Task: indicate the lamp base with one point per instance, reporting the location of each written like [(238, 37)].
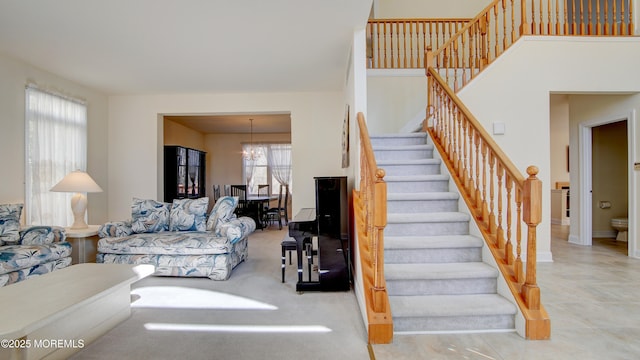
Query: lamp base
[(79, 209)]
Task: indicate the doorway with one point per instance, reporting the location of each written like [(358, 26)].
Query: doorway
[(605, 146)]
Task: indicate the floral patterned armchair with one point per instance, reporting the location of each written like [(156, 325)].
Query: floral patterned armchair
[(179, 238), (31, 251)]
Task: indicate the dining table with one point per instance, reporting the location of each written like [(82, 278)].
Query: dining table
[(258, 203)]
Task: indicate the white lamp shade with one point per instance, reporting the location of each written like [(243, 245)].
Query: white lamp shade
[(76, 181)]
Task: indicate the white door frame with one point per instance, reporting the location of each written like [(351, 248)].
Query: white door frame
[(585, 232)]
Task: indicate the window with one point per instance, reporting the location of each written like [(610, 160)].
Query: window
[(56, 144), (272, 166)]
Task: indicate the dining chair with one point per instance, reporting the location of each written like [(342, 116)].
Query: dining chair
[(227, 190), (264, 190), (216, 193), (277, 213), (241, 192)]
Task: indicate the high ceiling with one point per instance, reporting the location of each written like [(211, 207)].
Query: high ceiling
[(189, 46), (235, 123)]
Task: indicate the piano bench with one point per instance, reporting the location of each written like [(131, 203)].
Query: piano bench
[(287, 244)]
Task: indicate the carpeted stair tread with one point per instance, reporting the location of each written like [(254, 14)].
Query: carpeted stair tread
[(403, 147), (429, 271), (399, 135), (451, 305), (435, 217), (419, 196), (432, 242), (383, 163), (399, 178)]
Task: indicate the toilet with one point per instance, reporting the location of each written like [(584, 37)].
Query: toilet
[(620, 224)]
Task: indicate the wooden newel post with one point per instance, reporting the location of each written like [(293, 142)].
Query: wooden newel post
[(379, 223), (532, 216)]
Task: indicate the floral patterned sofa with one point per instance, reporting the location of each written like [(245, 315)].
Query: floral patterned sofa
[(32, 251), (178, 238)]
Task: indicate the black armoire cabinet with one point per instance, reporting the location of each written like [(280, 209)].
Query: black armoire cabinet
[(184, 173)]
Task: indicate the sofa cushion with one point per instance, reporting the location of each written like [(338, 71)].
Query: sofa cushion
[(37, 235), (189, 214), (169, 243), (149, 216), (10, 223), (16, 257), (222, 211)]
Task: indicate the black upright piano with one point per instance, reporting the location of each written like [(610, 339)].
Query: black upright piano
[(330, 224)]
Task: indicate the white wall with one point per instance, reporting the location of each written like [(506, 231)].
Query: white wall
[(395, 98), (136, 139), (515, 90), (428, 8), (15, 74)]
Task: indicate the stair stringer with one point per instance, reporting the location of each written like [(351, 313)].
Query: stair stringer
[(502, 289)]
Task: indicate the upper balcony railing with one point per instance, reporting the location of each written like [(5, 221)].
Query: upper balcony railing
[(401, 43)]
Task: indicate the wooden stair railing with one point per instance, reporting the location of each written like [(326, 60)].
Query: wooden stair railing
[(402, 43), (370, 209), (500, 199), (483, 39)]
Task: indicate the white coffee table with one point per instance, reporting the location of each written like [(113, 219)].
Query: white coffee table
[(72, 306)]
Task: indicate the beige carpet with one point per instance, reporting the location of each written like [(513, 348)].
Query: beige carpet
[(251, 316)]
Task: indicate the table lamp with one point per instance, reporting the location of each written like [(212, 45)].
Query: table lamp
[(78, 182)]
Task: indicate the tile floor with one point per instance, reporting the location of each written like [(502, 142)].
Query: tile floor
[(592, 295)]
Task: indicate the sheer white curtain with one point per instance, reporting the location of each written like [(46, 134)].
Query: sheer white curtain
[(279, 159), (56, 144)]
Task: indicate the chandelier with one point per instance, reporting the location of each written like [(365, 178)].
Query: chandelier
[(252, 153)]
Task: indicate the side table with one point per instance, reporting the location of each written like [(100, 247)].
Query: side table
[(84, 243)]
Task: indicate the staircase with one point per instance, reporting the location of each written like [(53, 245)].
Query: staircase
[(435, 276)]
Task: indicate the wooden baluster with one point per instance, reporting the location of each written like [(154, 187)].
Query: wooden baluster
[(425, 43), (372, 36), (558, 17), (590, 29), (534, 28), (566, 18), (445, 121), (549, 22), (482, 204), (504, 25), (456, 139), (445, 61), (415, 49), (582, 32), (497, 32), (394, 52), (456, 64), (614, 19), (605, 23), (508, 246), (477, 184), (492, 216), (470, 181), (463, 169), (464, 59), (380, 49), (630, 28), (532, 216), (513, 22), (518, 262), (404, 34), (574, 26), (500, 234)]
